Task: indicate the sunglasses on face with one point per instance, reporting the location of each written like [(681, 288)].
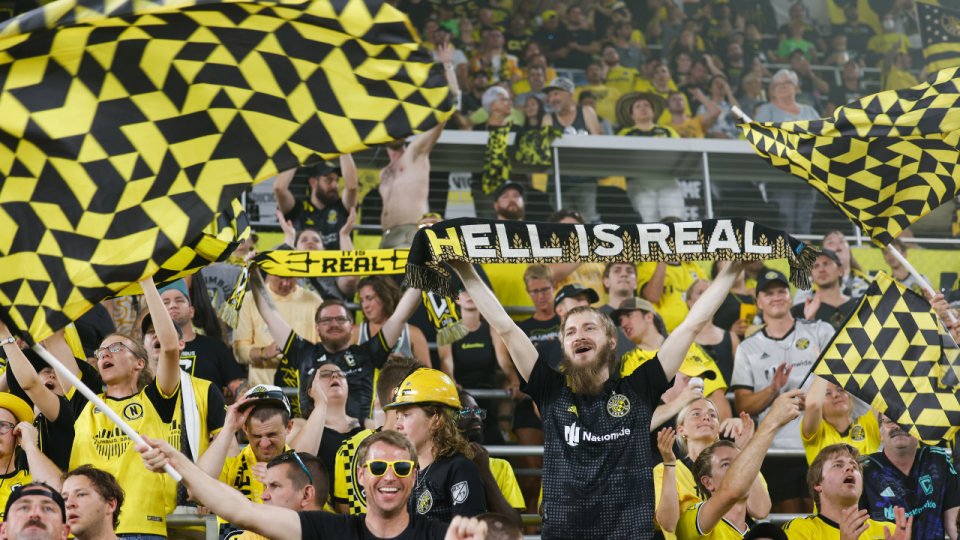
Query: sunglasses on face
[(479, 414), (378, 467)]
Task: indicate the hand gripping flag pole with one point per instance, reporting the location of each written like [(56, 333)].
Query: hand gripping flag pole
[(916, 275), (62, 371)]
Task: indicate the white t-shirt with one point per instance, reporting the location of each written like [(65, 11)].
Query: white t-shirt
[(759, 355)]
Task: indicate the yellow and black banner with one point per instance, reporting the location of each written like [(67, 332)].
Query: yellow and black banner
[(940, 33)]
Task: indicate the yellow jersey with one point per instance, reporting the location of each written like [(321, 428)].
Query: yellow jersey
[(99, 442), (863, 434), (590, 275), (507, 283), (696, 361), (238, 473), (689, 527), (623, 79), (607, 97), (817, 527), (507, 481), (672, 305), (345, 489), (13, 480)]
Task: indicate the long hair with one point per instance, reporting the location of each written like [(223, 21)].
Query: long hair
[(203, 315), (447, 439), (537, 120), (854, 264), (386, 290), (682, 416)]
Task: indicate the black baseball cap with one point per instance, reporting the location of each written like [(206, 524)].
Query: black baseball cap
[(509, 185), (322, 168), (770, 276), (37, 488), (830, 253), (148, 324), (576, 289)]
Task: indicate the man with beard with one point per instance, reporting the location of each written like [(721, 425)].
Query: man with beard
[(497, 473), (201, 356), (405, 181), (35, 512), (922, 480), (598, 467), (326, 210), (93, 501)]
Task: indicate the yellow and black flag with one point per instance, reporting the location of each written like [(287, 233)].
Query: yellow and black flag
[(894, 353), (127, 127), (885, 161), (940, 33)]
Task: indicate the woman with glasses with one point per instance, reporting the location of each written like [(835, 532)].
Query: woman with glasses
[(337, 426), (472, 362), (379, 296)]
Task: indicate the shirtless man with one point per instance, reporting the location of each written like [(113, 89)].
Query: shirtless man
[(405, 182)]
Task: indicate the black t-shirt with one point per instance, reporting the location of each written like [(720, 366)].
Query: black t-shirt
[(841, 95), (514, 44), (93, 326), (471, 103), (302, 358), (322, 525), (545, 337), (597, 463), (210, 359), (328, 221), (474, 360), (549, 39), (329, 445), (576, 59), (448, 487), (56, 436), (729, 311), (325, 287), (831, 315), (932, 488)]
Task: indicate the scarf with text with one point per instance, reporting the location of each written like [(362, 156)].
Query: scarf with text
[(491, 241)]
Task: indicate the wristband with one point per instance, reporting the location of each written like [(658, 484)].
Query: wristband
[(671, 465)]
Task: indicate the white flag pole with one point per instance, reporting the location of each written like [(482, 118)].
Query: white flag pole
[(62, 371), (916, 275), (736, 110)]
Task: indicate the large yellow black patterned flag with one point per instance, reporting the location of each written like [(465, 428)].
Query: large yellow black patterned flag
[(940, 32), (127, 127), (894, 353), (885, 161)]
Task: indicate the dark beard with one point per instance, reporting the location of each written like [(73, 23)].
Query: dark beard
[(512, 215), (588, 379), (325, 199)]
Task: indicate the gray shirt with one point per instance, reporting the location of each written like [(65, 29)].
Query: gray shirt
[(771, 113), (521, 100)]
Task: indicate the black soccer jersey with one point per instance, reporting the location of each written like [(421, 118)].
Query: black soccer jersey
[(545, 336), (302, 358), (210, 359), (450, 486), (327, 221), (597, 463)]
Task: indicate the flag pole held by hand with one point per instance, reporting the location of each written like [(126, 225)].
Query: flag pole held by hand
[(97, 402), (736, 110), (916, 275)]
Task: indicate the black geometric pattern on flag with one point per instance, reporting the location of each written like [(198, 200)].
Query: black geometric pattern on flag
[(885, 161), (894, 354), (940, 33), (126, 127)]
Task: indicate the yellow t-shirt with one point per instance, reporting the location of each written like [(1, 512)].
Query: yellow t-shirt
[(672, 305), (238, 473), (507, 283), (590, 275), (623, 79), (693, 364), (607, 97), (644, 85), (8, 482), (864, 434), (817, 527), (507, 481), (345, 491), (99, 442), (691, 128), (689, 527), (883, 43)]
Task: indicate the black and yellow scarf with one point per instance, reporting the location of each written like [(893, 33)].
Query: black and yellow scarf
[(506, 75), (533, 148), (490, 241)]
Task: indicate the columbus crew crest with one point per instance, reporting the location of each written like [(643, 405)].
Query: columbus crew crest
[(332, 217), (618, 405), (802, 344), (425, 502), (857, 433)]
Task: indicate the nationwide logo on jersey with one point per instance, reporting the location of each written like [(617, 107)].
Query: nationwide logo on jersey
[(425, 502), (133, 411), (460, 492), (857, 433), (348, 357), (802, 344), (618, 405), (571, 434), (926, 484)]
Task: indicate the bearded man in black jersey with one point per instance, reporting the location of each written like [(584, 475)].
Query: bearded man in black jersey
[(597, 462)]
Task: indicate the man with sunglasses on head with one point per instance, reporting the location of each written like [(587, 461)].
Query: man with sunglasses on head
[(389, 470), (919, 478), (296, 481), (503, 492), (301, 358)]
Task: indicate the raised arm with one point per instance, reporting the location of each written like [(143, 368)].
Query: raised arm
[(41, 468), (279, 329), (212, 460), (277, 522), (743, 471), (281, 190), (348, 284), (43, 397), (653, 289), (409, 303), (168, 366), (421, 146), (522, 352), (308, 438), (57, 346), (675, 348), (813, 408), (592, 121), (351, 181)]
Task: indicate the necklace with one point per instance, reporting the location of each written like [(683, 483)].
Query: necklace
[(422, 475)]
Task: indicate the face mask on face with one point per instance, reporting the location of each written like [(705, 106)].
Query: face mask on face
[(889, 25)]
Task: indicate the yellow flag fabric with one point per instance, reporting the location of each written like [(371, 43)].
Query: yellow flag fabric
[(894, 354), (126, 127), (940, 33), (885, 161)]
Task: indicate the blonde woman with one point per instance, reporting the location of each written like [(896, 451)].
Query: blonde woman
[(698, 427), (828, 418)]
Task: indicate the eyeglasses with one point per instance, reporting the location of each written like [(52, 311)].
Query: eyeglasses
[(538, 292), (290, 454), (5, 427), (113, 348), (478, 413), (333, 320), (329, 374), (378, 467)]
